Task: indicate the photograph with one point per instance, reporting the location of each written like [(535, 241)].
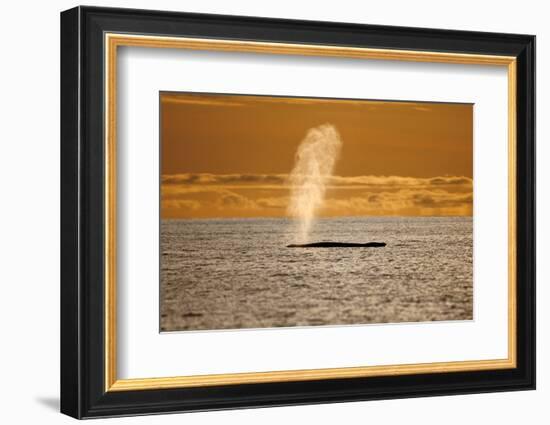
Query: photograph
[(286, 210), (280, 211)]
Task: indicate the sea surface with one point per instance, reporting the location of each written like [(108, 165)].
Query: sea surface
[(238, 273)]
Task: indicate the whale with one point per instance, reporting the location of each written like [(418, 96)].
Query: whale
[(338, 245)]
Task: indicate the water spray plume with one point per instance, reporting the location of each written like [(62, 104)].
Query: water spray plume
[(314, 163)]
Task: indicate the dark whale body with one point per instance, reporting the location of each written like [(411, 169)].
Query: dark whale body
[(338, 245)]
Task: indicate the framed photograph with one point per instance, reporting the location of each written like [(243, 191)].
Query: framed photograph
[(260, 212)]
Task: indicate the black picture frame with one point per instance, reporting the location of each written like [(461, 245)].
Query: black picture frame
[(83, 392)]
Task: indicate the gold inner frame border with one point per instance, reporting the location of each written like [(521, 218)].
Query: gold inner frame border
[(113, 40)]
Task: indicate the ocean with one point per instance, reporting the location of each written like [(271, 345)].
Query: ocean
[(238, 273)]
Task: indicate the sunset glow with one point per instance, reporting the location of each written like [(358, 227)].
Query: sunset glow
[(230, 156)]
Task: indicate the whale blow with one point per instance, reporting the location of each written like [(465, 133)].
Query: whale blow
[(314, 163)]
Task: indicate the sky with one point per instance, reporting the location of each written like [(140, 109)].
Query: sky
[(230, 156)]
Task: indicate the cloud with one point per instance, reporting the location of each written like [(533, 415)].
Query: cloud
[(249, 195), (222, 179), (207, 179), (235, 201), (200, 100), (450, 181), (422, 108), (441, 199), (404, 202), (398, 181), (280, 202), (181, 204), (207, 99)]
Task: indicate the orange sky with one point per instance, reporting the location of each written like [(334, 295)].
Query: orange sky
[(229, 155)]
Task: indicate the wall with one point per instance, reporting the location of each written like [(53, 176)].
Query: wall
[(29, 229)]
